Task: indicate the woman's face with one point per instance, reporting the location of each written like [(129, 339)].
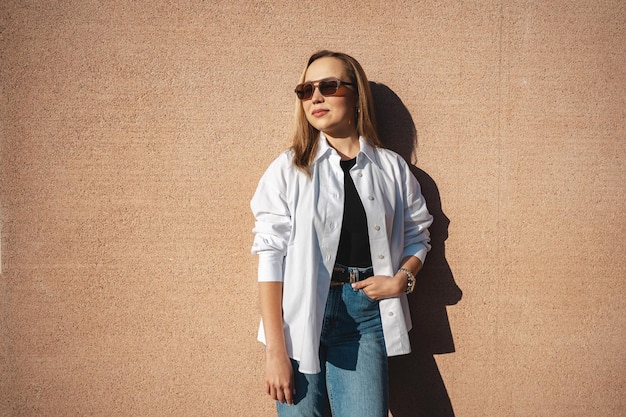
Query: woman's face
[(333, 115)]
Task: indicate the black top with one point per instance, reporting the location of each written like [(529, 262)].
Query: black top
[(354, 246)]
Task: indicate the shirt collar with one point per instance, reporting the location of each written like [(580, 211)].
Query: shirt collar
[(323, 148), (367, 149)]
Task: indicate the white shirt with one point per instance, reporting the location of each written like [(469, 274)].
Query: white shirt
[(297, 230)]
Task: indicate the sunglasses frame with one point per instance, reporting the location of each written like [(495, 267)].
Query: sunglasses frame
[(316, 84)]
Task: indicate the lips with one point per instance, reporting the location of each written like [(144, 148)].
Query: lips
[(319, 112)]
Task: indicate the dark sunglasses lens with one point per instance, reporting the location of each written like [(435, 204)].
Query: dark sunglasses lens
[(304, 91), (329, 87)]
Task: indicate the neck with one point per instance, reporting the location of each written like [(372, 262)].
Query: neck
[(347, 147)]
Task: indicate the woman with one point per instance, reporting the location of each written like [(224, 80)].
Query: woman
[(341, 231)]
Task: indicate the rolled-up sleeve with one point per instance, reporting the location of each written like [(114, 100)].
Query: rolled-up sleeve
[(417, 219), (272, 227)]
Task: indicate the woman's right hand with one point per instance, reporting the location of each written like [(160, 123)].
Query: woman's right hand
[(279, 382)]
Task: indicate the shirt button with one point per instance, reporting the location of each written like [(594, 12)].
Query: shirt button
[(371, 197), (360, 174), (377, 227), (381, 256), (390, 314)]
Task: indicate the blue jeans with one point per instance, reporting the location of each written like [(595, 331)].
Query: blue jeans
[(353, 381)]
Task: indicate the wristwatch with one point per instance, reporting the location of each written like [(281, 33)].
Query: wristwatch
[(410, 285)]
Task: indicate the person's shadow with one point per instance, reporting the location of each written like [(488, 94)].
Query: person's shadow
[(416, 387)]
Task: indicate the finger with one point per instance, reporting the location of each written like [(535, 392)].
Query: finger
[(360, 284), (280, 396), (371, 294), (276, 394), (372, 290), (288, 395), (363, 284)]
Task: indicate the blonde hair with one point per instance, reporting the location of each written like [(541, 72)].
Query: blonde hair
[(305, 138)]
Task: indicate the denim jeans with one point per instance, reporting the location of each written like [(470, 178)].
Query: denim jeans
[(353, 381)]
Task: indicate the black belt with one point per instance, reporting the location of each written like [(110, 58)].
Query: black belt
[(348, 274)]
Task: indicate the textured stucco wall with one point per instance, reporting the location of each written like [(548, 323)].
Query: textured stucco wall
[(132, 137)]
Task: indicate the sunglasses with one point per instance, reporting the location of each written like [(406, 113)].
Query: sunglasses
[(327, 87)]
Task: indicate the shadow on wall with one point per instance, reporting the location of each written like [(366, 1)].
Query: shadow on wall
[(415, 383)]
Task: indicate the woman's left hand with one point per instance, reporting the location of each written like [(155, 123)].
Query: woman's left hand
[(380, 286)]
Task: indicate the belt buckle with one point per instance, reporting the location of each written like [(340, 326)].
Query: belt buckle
[(354, 276)]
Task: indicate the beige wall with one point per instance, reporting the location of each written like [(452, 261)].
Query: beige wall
[(133, 135)]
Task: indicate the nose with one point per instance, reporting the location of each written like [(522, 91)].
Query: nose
[(317, 97)]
